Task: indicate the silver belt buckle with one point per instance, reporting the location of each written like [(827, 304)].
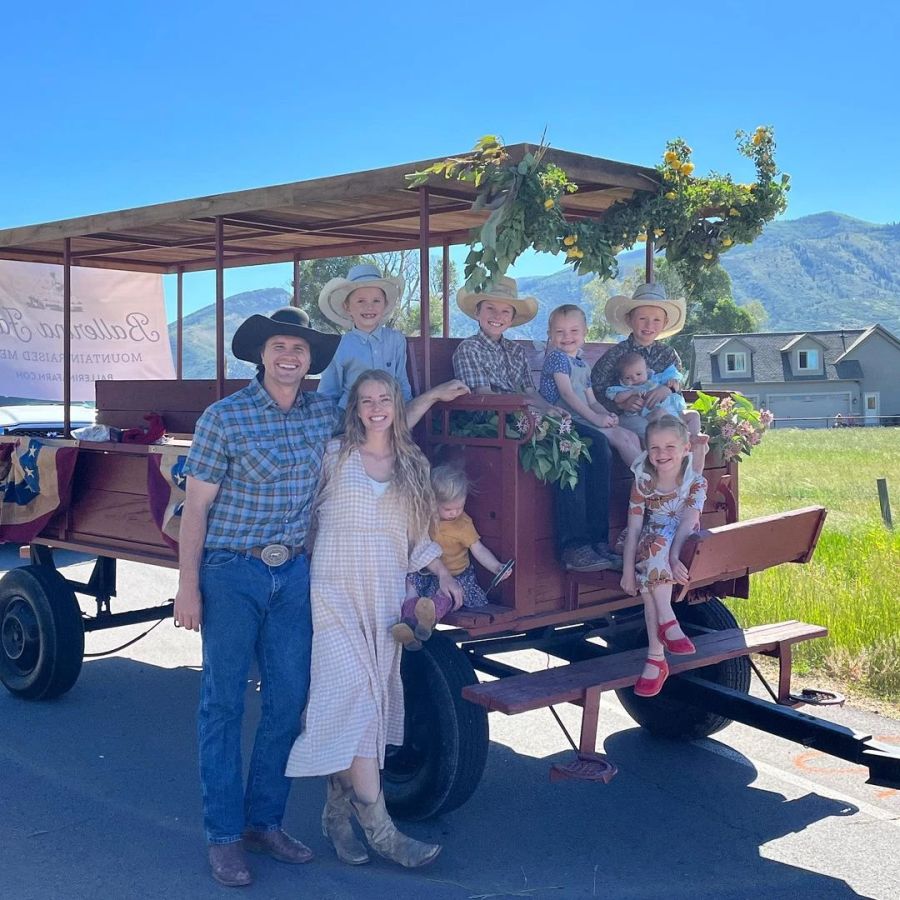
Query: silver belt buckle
[(275, 555)]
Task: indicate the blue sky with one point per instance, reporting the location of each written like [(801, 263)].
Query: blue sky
[(113, 105)]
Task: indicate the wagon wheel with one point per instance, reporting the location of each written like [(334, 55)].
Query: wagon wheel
[(41, 633), (446, 737), (671, 718)]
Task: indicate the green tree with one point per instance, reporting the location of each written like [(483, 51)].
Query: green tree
[(408, 320)]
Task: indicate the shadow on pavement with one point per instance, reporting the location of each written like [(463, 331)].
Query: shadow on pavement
[(100, 794)]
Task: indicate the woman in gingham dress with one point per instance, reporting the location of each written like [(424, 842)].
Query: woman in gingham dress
[(372, 516)]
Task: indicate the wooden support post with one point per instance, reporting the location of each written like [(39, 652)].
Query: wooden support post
[(885, 501), (179, 332), (648, 261), (296, 298), (589, 720), (425, 284), (445, 312), (220, 308), (784, 674), (67, 337)]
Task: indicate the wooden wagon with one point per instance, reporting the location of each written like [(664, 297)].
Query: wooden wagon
[(580, 619)]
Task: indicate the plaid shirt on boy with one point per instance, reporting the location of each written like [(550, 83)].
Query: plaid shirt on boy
[(266, 463), (657, 356), (500, 365)]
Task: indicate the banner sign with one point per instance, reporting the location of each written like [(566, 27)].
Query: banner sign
[(118, 329)]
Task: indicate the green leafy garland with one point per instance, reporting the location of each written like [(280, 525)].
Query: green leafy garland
[(694, 219)]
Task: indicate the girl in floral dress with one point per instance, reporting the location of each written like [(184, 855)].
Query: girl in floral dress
[(372, 515), (666, 501)]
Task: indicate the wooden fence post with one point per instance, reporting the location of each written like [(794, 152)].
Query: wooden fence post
[(885, 501)]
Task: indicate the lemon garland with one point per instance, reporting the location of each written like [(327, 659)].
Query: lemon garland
[(693, 219)]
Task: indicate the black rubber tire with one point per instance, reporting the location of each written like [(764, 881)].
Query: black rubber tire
[(670, 718), (446, 737), (41, 633)]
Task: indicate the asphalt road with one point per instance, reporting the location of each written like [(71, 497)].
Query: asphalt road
[(99, 797)]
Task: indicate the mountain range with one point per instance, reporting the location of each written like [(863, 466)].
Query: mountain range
[(819, 272)]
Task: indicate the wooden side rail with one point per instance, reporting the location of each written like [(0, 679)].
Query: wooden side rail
[(583, 682), (741, 548)]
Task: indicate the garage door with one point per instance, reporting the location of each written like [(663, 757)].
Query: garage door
[(808, 410)]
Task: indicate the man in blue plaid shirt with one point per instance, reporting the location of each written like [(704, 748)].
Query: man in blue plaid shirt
[(251, 477)]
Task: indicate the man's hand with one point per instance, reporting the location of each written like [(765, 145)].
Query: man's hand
[(656, 396), (632, 402), (187, 608)]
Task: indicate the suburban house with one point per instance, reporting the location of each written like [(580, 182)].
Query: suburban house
[(807, 377)]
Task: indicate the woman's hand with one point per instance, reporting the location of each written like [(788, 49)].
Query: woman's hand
[(656, 396), (450, 390), (452, 588), (608, 419), (629, 581)]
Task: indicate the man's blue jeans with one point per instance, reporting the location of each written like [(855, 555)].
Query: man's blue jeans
[(250, 609)]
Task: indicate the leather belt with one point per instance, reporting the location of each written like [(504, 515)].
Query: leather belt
[(276, 554)]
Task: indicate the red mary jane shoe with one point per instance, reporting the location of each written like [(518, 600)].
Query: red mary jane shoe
[(680, 646), (650, 687)]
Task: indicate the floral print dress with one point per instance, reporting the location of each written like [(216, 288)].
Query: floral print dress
[(662, 512)]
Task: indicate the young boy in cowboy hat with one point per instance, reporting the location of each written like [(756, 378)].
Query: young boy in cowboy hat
[(361, 302), (490, 363), (252, 471), (647, 316)]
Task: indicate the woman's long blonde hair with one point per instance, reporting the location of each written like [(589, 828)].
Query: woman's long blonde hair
[(411, 474)]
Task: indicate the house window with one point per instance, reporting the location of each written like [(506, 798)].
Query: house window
[(807, 360), (735, 363)]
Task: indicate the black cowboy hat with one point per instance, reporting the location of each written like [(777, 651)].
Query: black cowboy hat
[(252, 334)]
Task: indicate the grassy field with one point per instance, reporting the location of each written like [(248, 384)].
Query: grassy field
[(851, 585)]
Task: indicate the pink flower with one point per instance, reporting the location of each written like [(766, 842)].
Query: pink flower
[(728, 431), (746, 429), (565, 446), (767, 417), (565, 425), (754, 439), (726, 403)]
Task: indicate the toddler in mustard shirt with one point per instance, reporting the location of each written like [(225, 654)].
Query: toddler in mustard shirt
[(455, 533)]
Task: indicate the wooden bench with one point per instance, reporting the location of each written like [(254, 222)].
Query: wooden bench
[(583, 682)]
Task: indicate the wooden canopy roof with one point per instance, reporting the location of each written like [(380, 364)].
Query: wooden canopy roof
[(364, 212)]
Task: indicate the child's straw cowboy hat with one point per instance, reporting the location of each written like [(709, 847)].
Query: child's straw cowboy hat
[(618, 308), (336, 291), (505, 291)]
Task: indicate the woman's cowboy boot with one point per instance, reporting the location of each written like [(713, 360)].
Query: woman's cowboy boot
[(385, 840), (337, 825)]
